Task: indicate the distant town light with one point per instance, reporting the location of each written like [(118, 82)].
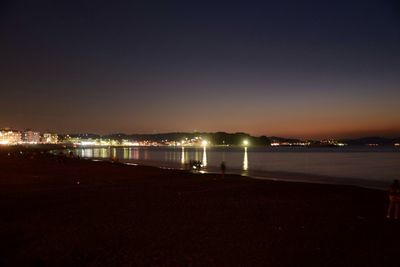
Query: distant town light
[(246, 142), (87, 143), (10, 137), (204, 143)]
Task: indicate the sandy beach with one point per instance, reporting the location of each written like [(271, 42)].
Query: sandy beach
[(68, 212)]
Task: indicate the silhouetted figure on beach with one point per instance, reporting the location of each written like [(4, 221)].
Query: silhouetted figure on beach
[(223, 169), (394, 200), (195, 165)]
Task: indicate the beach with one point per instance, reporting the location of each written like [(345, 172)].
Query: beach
[(59, 211)]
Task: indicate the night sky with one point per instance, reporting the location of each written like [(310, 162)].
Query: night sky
[(312, 69)]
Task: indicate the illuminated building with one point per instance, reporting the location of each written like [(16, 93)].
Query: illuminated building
[(31, 137), (50, 138), (9, 137)]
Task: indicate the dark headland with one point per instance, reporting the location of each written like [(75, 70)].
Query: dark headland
[(69, 212)]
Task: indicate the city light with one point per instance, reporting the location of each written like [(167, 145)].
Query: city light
[(245, 142), (204, 143)]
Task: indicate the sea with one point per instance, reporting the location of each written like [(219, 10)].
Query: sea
[(373, 167)]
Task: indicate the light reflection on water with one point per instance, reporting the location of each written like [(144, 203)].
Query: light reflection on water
[(183, 156), (204, 161), (245, 162), (361, 163)]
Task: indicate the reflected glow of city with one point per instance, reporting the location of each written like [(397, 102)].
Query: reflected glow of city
[(183, 156), (135, 153), (87, 153), (127, 154), (245, 160), (204, 156)]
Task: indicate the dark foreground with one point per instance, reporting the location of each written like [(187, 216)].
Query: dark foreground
[(81, 213)]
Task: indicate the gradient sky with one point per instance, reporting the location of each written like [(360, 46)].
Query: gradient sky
[(312, 69)]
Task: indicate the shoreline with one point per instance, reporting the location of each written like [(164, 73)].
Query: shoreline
[(275, 175), (59, 211), (354, 172), (280, 176)]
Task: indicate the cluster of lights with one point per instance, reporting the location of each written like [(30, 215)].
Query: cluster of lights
[(101, 142), (333, 142), (372, 145), (8, 137), (14, 137), (86, 142), (196, 141), (290, 144)]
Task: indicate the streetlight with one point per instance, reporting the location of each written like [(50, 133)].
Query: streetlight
[(245, 142)]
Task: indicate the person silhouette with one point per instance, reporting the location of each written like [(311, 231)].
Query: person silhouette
[(223, 169), (394, 200)]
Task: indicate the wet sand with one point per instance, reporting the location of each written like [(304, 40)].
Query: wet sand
[(73, 212)]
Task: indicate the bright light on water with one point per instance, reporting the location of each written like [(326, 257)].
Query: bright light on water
[(183, 156), (245, 160), (204, 157)]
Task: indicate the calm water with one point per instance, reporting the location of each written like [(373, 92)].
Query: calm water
[(365, 166)]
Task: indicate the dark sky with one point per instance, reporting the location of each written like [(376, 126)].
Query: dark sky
[(289, 68)]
